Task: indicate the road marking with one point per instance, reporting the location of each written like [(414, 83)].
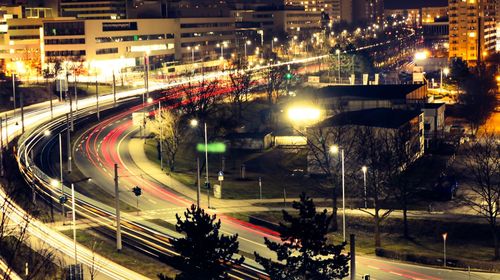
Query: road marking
[(152, 201), (398, 274)]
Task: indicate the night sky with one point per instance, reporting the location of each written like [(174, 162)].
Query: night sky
[(407, 4)]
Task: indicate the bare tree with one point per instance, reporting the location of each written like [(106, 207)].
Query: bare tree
[(94, 265), (167, 127), (275, 77), (482, 159), (199, 98), (320, 159), (376, 149), (241, 82)]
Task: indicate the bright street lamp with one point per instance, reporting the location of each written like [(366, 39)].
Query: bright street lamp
[(304, 114), (445, 71), (248, 42), (445, 235), (364, 169), (337, 51), (272, 43), (194, 123), (334, 150)]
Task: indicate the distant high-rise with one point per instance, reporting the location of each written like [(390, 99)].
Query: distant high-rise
[(353, 11), (472, 29), (99, 9)]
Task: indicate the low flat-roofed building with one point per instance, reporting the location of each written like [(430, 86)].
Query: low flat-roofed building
[(358, 97), (407, 125)]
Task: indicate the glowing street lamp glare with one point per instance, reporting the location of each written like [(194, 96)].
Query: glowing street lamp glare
[(304, 114), (334, 149), (194, 122)]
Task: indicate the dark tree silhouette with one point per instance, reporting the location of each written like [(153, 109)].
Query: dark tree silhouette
[(482, 159), (204, 253), (304, 252)]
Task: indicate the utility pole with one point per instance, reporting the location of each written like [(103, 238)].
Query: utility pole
[(61, 176), (74, 219), (353, 256), (76, 95), (206, 167), (1, 149), (117, 205), (114, 89), (14, 92), (68, 142), (21, 101), (161, 134), (198, 193), (97, 97)]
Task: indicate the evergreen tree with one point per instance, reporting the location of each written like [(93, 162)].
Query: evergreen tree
[(204, 253), (304, 252)]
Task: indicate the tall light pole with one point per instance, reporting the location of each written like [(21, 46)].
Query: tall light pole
[(338, 62), (247, 42), (445, 235), (272, 43), (207, 182), (14, 92), (74, 220), (192, 51), (161, 134), (334, 150), (194, 123), (445, 71), (364, 169)]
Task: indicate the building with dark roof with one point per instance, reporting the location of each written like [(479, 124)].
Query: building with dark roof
[(360, 97), (380, 117), (404, 128)]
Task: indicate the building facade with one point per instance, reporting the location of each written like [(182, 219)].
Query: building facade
[(472, 34)]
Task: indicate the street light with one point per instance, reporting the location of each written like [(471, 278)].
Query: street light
[(445, 71), (364, 169), (194, 123), (334, 150), (73, 209), (445, 235), (192, 51), (248, 42), (337, 51), (221, 46), (272, 43)]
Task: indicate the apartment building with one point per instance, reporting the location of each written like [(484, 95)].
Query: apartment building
[(472, 29), (353, 11)]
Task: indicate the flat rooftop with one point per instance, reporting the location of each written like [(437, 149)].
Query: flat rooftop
[(379, 117), (386, 92)]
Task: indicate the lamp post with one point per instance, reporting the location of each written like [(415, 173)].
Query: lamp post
[(272, 43), (194, 123), (364, 169), (73, 210), (248, 42), (221, 46), (338, 62), (334, 150), (445, 71), (445, 235), (192, 51)]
